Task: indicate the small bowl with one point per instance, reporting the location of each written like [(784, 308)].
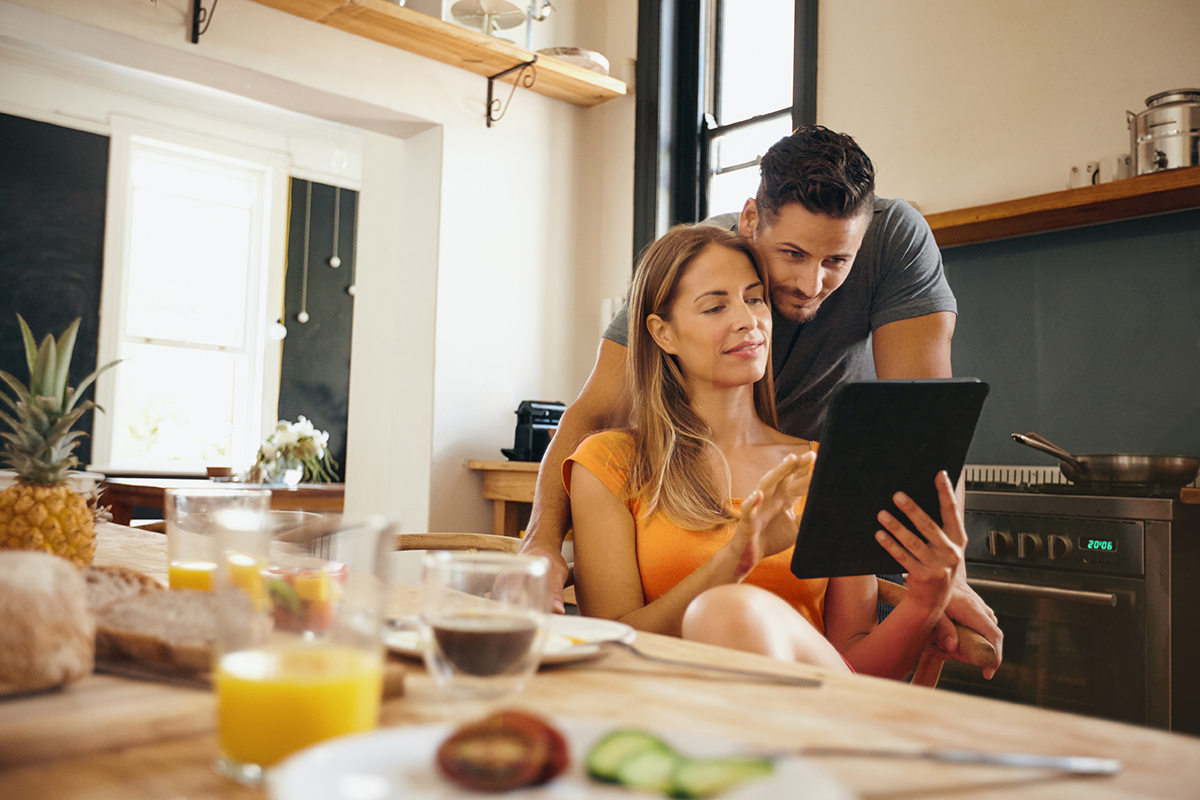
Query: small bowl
[(588, 59)]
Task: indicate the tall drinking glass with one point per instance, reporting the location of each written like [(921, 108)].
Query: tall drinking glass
[(300, 659), (482, 621), (194, 517)]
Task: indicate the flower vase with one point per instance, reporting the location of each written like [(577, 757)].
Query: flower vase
[(288, 470)]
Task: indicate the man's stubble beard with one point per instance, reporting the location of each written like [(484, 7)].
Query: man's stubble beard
[(793, 314)]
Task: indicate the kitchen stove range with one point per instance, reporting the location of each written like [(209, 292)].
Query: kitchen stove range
[(1097, 592)]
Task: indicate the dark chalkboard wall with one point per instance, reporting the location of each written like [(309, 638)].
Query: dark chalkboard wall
[(316, 355), (52, 193), (1090, 337)]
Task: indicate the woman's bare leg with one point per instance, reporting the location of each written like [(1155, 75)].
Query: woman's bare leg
[(745, 617)]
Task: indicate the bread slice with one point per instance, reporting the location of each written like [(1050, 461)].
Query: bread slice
[(168, 630), (107, 585)]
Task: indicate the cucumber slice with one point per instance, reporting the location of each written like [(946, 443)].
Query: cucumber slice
[(649, 770), (607, 755), (699, 778)]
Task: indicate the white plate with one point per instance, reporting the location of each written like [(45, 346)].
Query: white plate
[(569, 638), (398, 763), (588, 59)]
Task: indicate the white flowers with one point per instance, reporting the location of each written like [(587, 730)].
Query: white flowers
[(295, 443)]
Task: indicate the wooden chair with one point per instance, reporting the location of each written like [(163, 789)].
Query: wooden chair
[(406, 569), (978, 649)]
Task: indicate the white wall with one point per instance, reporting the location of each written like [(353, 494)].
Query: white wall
[(964, 102), (470, 239)]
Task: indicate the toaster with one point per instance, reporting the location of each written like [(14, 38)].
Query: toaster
[(537, 420)]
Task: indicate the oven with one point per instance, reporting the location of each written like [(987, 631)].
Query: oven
[(1097, 597)]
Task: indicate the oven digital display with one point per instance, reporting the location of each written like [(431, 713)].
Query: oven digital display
[(1097, 544)]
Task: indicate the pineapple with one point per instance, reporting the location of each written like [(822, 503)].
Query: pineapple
[(40, 511)]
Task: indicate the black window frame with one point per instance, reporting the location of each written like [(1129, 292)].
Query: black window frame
[(673, 130)]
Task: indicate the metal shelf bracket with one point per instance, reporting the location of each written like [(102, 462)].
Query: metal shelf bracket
[(527, 78), (201, 16)]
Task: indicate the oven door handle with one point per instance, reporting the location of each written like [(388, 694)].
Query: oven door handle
[(1045, 592)]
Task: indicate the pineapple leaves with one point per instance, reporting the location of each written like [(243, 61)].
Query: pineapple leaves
[(39, 448), (30, 345), (12, 423), (44, 367), (73, 394), (66, 345), (23, 394), (67, 420)]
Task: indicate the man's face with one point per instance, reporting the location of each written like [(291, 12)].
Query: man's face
[(807, 255)]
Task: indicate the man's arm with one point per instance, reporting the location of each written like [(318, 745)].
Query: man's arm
[(603, 403), (913, 348), (919, 347)]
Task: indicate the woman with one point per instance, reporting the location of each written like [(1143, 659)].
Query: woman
[(662, 541)]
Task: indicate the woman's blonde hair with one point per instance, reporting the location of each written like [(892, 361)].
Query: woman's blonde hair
[(671, 442)]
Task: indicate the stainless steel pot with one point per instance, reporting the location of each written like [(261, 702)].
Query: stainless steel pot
[(1117, 468), (1166, 135)]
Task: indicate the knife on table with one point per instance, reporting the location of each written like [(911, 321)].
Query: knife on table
[(1078, 765)]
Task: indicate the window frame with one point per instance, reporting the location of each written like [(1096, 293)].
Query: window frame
[(676, 70), (264, 353)]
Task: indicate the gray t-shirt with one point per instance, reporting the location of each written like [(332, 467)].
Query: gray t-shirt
[(896, 275)]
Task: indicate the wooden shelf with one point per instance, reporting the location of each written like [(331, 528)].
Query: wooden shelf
[(427, 36), (1173, 190)]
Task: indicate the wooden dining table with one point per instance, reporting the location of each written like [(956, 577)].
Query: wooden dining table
[(109, 737)]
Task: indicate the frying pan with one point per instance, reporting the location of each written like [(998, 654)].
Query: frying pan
[(1117, 468)]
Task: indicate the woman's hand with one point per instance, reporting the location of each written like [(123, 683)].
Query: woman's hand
[(767, 524), (931, 564)]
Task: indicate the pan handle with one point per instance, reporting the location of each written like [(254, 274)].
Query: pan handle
[(1046, 446)]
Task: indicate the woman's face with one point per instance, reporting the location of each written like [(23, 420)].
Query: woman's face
[(720, 322)]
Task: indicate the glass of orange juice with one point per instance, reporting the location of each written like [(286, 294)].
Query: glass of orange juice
[(299, 656), (193, 518)]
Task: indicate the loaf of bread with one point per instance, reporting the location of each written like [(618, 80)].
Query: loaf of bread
[(170, 630), (46, 630), (107, 585)]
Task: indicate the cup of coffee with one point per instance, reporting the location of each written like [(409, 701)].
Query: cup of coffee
[(482, 621)]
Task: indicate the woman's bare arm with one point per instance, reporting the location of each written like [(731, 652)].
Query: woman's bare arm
[(607, 579)]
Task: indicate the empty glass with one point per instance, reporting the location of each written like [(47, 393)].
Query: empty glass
[(482, 621)]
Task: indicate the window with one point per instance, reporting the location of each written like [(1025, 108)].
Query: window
[(727, 79), (185, 306), (749, 94)]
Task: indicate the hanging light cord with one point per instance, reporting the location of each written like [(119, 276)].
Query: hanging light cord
[(335, 261), (303, 315), (351, 289)]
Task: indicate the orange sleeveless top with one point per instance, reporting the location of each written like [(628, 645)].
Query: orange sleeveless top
[(667, 553)]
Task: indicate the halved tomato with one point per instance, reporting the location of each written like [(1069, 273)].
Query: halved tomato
[(506, 750)]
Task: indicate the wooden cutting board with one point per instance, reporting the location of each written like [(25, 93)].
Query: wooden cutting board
[(100, 712), (105, 712)]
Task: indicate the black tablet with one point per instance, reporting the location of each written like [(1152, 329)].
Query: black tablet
[(879, 438)]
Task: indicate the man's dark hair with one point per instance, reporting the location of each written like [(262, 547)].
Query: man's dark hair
[(825, 172)]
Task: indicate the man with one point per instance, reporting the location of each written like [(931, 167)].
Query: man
[(857, 291)]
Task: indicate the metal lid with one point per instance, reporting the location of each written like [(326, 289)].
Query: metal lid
[(1173, 96)]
